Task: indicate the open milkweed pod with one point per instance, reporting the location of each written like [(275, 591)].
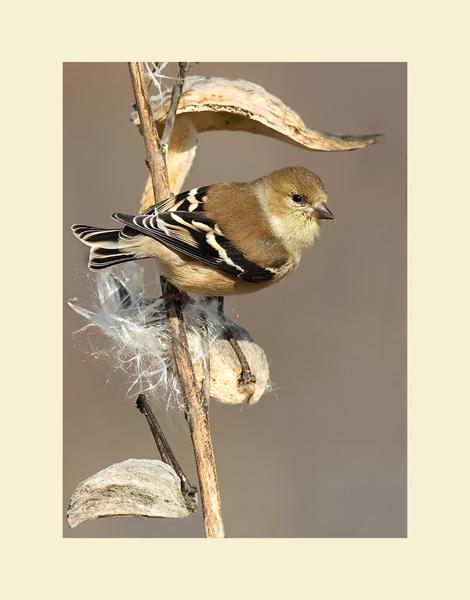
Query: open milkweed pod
[(181, 151), (225, 369), (180, 157), (216, 103), (132, 488)]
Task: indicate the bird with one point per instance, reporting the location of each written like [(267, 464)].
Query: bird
[(222, 239)]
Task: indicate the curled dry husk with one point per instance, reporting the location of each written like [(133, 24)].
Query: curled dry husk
[(132, 488), (216, 103)]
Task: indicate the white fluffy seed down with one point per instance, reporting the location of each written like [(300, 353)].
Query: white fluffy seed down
[(137, 341)]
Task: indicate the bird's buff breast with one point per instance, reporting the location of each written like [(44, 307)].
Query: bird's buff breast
[(196, 278)]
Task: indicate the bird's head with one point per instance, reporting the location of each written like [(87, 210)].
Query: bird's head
[(295, 203)]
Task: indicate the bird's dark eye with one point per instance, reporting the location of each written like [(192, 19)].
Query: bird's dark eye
[(298, 198)]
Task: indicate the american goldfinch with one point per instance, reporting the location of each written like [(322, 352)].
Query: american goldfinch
[(227, 238)]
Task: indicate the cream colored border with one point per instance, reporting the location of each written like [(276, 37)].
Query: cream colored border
[(430, 563)]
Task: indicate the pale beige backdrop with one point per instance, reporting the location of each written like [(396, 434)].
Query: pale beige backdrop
[(325, 455)]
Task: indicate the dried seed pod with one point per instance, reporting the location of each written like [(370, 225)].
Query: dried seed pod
[(133, 488), (225, 369), (216, 103), (181, 153)]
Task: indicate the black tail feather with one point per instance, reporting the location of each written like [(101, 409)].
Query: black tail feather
[(106, 247)]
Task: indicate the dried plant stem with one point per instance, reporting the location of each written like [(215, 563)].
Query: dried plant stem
[(155, 161), (175, 98), (197, 416), (163, 447), (166, 452)]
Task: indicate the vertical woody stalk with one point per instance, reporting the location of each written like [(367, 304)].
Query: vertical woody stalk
[(197, 414)]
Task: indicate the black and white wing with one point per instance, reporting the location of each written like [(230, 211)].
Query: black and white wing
[(190, 201), (194, 234)]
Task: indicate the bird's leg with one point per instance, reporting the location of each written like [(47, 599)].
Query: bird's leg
[(246, 376), (166, 453), (206, 361), (173, 292)]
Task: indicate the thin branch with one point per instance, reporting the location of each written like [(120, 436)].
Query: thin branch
[(155, 161), (196, 414), (166, 453), (175, 98), (157, 432)]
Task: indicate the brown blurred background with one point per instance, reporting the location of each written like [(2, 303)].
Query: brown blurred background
[(325, 454)]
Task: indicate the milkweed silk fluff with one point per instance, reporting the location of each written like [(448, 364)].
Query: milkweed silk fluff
[(136, 336)]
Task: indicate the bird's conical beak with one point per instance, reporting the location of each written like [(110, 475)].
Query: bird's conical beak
[(323, 212)]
